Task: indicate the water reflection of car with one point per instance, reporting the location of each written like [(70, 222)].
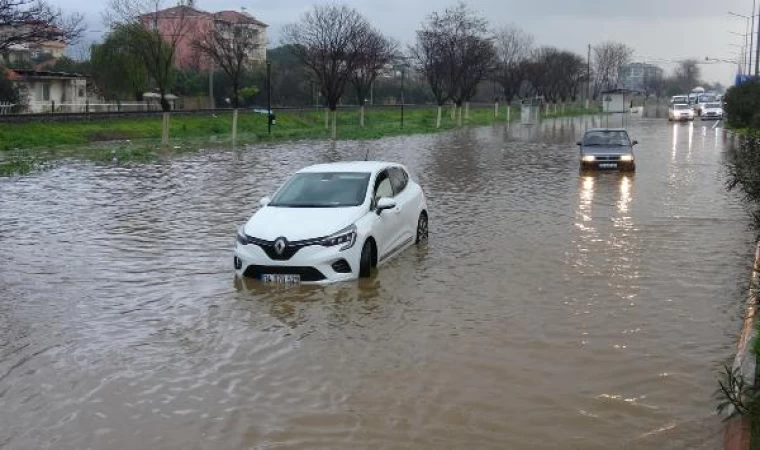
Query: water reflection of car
[(712, 111), (332, 222), (607, 148), (680, 111)]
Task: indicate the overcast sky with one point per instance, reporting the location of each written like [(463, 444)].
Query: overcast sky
[(659, 30)]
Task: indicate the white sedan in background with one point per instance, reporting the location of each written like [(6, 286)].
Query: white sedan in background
[(712, 111), (332, 222), (680, 111)]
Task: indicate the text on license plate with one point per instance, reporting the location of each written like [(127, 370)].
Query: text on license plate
[(280, 279), (607, 166)]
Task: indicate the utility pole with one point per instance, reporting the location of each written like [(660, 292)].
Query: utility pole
[(757, 42), (269, 97), (588, 76), (752, 39), (403, 73)]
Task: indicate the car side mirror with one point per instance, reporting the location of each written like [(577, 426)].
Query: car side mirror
[(385, 203), (635, 143), (264, 201), (579, 143)]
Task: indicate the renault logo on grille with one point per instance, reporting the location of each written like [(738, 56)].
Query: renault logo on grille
[(279, 245)]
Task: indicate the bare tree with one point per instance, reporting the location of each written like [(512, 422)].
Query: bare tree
[(554, 74), (375, 53), (609, 58), (467, 50), (35, 21), (430, 60), (687, 74), (230, 45), (328, 39), (513, 48), (154, 34)]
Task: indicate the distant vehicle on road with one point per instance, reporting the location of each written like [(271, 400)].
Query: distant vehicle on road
[(607, 148), (680, 111), (332, 222), (702, 100), (712, 111)]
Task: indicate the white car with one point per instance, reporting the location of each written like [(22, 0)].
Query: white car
[(712, 111), (680, 111), (332, 222)]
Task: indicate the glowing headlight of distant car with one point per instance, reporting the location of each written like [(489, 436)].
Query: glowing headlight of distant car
[(589, 158), (626, 158), (345, 237)]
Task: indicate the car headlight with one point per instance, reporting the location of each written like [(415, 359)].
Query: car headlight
[(589, 158), (241, 236), (346, 238), (626, 158)]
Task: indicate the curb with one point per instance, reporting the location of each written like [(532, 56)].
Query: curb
[(736, 432)]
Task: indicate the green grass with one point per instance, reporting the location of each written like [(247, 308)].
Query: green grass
[(25, 147)]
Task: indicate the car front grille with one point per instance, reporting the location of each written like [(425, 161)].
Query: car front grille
[(307, 274), (606, 158), (290, 249)]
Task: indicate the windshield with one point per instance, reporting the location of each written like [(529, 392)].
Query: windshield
[(323, 190), (681, 107), (606, 138), (713, 105), (680, 99)]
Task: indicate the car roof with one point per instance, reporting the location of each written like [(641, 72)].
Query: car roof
[(606, 129), (350, 166)]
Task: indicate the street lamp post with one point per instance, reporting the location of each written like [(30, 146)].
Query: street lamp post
[(269, 97), (749, 20), (403, 74)]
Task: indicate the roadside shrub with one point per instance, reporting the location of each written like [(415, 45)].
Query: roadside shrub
[(743, 165), (742, 105)]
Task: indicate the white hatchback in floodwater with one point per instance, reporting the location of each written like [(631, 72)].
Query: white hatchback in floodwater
[(332, 222)]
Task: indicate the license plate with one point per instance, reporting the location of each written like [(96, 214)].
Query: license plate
[(607, 166), (280, 279)]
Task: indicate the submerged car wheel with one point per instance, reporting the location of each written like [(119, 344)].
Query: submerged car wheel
[(365, 262), (422, 228)]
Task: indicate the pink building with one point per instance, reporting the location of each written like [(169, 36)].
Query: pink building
[(189, 24)]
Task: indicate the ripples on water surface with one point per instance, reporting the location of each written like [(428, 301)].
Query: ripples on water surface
[(550, 310)]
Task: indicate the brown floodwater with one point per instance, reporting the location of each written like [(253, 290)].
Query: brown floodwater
[(549, 310)]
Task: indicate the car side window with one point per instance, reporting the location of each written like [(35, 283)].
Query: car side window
[(383, 186), (398, 179)]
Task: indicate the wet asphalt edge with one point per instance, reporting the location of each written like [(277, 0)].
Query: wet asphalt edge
[(736, 431)]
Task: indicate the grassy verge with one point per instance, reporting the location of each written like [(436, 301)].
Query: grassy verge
[(29, 146)]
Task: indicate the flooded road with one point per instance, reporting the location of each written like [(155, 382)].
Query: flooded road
[(549, 310)]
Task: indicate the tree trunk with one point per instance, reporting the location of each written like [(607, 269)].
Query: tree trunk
[(361, 116), (509, 111), (454, 112), (334, 132), (466, 110), (327, 118), (234, 126), (165, 129), (459, 121), (165, 105), (496, 110), (438, 120)]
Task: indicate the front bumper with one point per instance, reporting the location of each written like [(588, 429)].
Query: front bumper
[(623, 166), (683, 118), (314, 264)]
